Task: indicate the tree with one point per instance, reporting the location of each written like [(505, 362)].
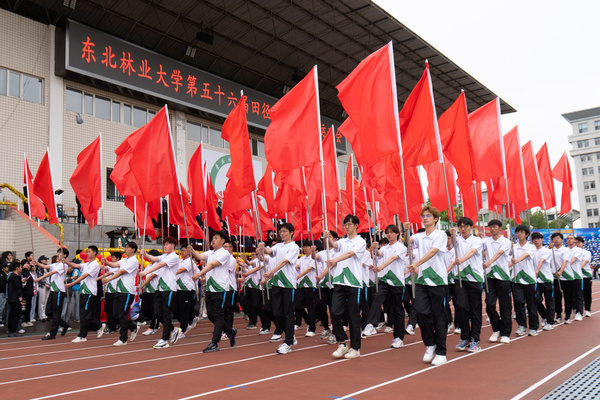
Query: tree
[(561, 224), (538, 220), (457, 211)]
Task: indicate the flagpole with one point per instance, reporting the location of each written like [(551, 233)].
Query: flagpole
[(373, 249), (258, 237), (25, 166), (503, 157), (337, 177)]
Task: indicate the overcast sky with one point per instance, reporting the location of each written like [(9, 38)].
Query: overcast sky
[(541, 57)]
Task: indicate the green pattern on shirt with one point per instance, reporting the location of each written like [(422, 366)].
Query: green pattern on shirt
[(391, 279), (469, 275), (213, 286), (498, 273), (85, 289), (280, 280), (121, 287), (566, 275), (347, 276), (54, 287), (543, 278), (181, 285), (162, 286), (524, 279), (306, 283), (586, 274), (430, 278)]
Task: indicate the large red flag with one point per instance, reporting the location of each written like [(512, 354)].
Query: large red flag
[(287, 200), (543, 164), (369, 97), (418, 124), (266, 190), (86, 181), (36, 207), (484, 125), (176, 214), (235, 131), (148, 154), (456, 139), (142, 216), (467, 195), (436, 187), (196, 181), (562, 173), (232, 202), (212, 200), (533, 184), (329, 167), (514, 168), (292, 136), (44, 189)]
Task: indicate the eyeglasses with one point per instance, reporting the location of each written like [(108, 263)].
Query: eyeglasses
[(348, 224), (426, 216)]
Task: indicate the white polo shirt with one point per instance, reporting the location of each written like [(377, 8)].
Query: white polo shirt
[(586, 271), (89, 285), (524, 271), (546, 275), (310, 279), (472, 269), (349, 272), (393, 274), (287, 276), (57, 281), (184, 279), (126, 282), (433, 272), (217, 279), (167, 281), (499, 269), (322, 264)]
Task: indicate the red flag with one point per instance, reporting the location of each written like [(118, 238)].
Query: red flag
[(456, 139), (43, 188), (534, 192), (514, 168), (368, 95), (36, 207), (196, 182), (545, 171), (467, 196), (212, 200), (351, 188), (235, 131), (484, 125), (176, 214), (148, 153), (292, 135), (232, 202), (436, 187), (350, 131), (266, 223), (137, 206), (418, 124), (562, 173), (287, 200), (241, 223), (265, 189), (86, 181), (330, 166)]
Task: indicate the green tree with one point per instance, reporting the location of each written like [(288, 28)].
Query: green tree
[(561, 224), (538, 219), (457, 211)]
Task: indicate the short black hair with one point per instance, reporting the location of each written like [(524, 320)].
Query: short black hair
[(393, 228), (171, 240), (495, 222), (154, 253), (13, 266), (132, 245), (123, 229), (221, 234), (287, 226), (555, 234), (333, 234), (580, 239), (352, 218), (63, 250), (537, 235), (116, 254), (27, 254), (522, 228), (93, 248), (306, 243), (465, 221)]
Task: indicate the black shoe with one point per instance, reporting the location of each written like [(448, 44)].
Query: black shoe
[(232, 337), (64, 330), (15, 334), (211, 347), (48, 337)]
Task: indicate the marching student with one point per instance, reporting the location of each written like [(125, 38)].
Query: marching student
[(431, 285), (569, 274), (367, 277), (449, 257), (268, 264), (468, 303), (89, 321), (186, 291), (322, 278), (391, 287), (164, 299), (14, 291), (284, 281), (57, 296), (218, 283), (543, 271), (497, 249), (253, 299), (558, 255), (148, 289), (125, 291), (525, 283), (347, 271), (305, 300), (111, 290), (586, 272), (231, 300)]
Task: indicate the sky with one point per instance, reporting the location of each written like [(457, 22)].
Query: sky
[(539, 56)]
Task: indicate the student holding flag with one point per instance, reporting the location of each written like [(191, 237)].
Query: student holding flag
[(543, 270)]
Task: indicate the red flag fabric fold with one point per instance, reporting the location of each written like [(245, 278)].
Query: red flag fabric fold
[(86, 181), (176, 214), (43, 188), (196, 182), (36, 207), (562, 173), (484, 127), (212, 220), (534, 192), (543, 164), (232, 202), (266, 190), (436, 187)]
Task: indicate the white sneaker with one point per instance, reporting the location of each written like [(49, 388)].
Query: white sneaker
[(544, 321), (295, 342), (578, 317), (505, 340), (429, 354), (568, 321), (149, 332), (369, 330), (410, 330), (325, 334), (457, 331), (296, 327), (450, 327), (588, 314), (275, 338), (175, 335), (352, 354), (101, 331), (397, 343), (341, 351), (79, 340), (134, 334), (309, 334), (21, 331), (194, 322), (264, 331), (388, 329), (143, 323), (119, 343), (380, 326), (332, 339), (494, 337), (533, 332), (548, 327), (521, 331), (224, 336), (439, 360), (284, 349), (161, 344)]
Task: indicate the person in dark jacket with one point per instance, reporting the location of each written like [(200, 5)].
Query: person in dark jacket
[(15, 298)]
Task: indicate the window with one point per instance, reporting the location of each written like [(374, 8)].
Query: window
[(584, 171), (116, 111), (258, 147), (585, 143), (586, 158), (215, 137), (597, 141), (3, 83), (591, 198), (111, 191), (597, 125), (583, 128), (102, 108), (14, 84), (88, 104), (127, 115), (590, 225), (589, 185), (21, 86), (32, 89), (592, 212), (74, 101), (139, 117), (597, 156), (590, 171)]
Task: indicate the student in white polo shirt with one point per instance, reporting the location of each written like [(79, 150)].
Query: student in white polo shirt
[(307, 283), (431, 285), (218, 283), (283, 277), (559, 252), (126, 290), (568, 275), (497, 249), (347, 270), (545, 276), (89, 298), (524, 283), (165, 266), (586, 272), (322, 278), (186, 290)]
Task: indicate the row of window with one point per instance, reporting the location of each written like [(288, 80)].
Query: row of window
[(21, 86), (586, 143), (592, 212), (589, 184), (591, 199), (583, 127), (589, 157), (107, 109)]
